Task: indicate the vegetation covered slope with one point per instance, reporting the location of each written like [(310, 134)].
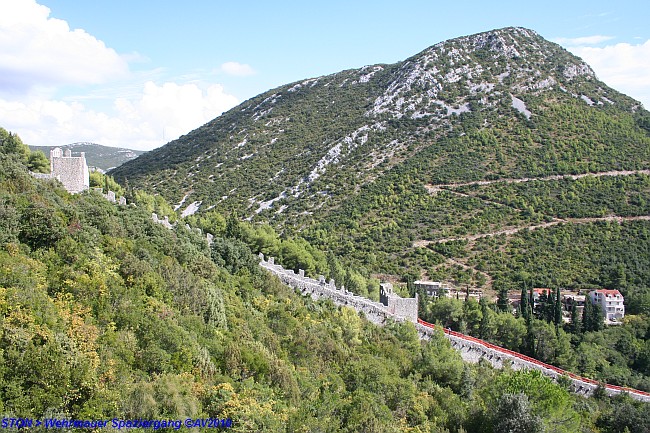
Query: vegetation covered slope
[(106, 314), (349, 160), (501, 103), (496, 160)]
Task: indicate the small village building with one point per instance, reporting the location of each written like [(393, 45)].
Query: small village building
[(569, 300), (611, 303), (537, 293), (431, 288)]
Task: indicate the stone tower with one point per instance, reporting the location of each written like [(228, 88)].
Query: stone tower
[(71, 171)]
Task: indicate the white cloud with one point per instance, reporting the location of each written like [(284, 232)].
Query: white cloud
[(159, 114), (625, 67), (585, 40), (39, 51), (237, 69)]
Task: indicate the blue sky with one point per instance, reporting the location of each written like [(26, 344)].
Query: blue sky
[(140, 73)]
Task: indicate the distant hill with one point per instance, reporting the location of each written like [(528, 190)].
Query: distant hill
[(102, 157)]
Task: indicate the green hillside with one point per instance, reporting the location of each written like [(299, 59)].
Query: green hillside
[(372, 164), (506, 103), (496, 161), (106, 314)]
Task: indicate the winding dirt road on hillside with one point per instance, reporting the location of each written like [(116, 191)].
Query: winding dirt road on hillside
[(441, 187), (618, 219)]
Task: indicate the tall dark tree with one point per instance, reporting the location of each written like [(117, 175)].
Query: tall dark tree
[(557, 317), (549, 308), (597, 320), (233, 227), (587, 315), (484, 329), (539, 307), (574, 324), (503, 303), (523, 304)]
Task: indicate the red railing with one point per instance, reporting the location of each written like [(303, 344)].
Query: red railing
[(532, 360)]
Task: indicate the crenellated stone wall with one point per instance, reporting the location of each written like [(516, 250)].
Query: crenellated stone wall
[(474, 351), (71, 171), (471, 349), (374, 311)]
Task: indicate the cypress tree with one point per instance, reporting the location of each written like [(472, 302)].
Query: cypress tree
[(530, 337), (558, 308), (549, 308), (484, 329), (540, 308), (523, 304), (574, 324), (587, 315), (503, 303), (597, 321)]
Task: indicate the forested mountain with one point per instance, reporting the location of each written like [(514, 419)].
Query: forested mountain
[(352, 161), (505, 103), (106, 314)]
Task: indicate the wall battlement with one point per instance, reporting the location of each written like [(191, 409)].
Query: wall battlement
[(71, 171), (400, 309), (375, 312)]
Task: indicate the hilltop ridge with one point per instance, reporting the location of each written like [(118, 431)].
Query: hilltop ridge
[(352, 162), (347, 128), (102, 157)]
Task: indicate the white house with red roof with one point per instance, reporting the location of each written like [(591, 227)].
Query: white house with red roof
[(611, 303)]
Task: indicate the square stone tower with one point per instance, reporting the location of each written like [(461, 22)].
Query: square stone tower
[(71, 171)]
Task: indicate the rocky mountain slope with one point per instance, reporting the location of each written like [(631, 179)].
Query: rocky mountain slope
[(298, 147), (382, 165)]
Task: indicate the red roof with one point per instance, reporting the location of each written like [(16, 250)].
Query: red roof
[(608, 292), (540, 291)]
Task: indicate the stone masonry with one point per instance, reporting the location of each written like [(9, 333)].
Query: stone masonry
[(71, 171), (375, 312)]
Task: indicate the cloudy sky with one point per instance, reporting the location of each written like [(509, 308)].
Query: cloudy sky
[(139, 73)]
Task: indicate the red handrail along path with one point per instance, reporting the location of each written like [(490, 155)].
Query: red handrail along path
[(532, 360)]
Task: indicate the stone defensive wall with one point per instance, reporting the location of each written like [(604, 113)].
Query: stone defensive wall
[(471, 349), (374, 311)]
